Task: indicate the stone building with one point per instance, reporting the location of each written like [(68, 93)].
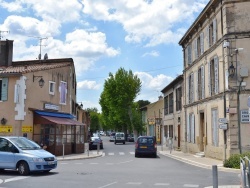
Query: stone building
[(216, 83)]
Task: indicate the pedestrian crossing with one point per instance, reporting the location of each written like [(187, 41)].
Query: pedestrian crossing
[(112, 153)]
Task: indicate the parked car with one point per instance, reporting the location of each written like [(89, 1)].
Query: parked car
[(119, 137), (94, 141), (24, 155), (102, 133), (112, 137), (146, 145), (130, 138)]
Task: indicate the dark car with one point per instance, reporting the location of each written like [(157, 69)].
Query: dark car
[(146, 145), (130, 138), (94, 141)]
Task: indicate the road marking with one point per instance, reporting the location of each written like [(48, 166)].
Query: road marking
[(108, 185), (111, 153), (1, 181), (121, 153), (109, 163), (125, 162), (134, 183), (78, 163), (15, 179), (132, 152), (190, 185), (94, 163), (162, 184)]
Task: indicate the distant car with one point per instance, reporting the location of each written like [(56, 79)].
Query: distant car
[(119, 137), (146, 145), (102, 133), (130, 138), (112, 137), (24, 155), (94, 141)]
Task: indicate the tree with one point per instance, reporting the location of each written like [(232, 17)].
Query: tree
[(120, 91), (143, 103)]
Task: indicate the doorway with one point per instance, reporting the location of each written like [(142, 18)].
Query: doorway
[(202, 132)]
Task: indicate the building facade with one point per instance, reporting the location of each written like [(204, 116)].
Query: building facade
[(172, 114), (216, 83), (38, 101)]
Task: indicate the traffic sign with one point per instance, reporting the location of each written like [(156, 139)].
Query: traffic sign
[(223, 126), (223, 120)]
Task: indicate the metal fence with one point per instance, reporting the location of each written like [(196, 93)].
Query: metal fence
[(245, 172)]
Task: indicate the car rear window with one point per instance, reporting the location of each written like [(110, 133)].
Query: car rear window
[(146, 140), (120, 135)]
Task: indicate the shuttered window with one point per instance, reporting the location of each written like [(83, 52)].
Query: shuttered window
[(191, 88), (4, 89), (213, 73), (200, 83), (215, 130), (191, 128)]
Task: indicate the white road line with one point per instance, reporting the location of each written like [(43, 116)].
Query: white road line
[(132, 152), (134, 183), (162, 184), (93, 163), (109, 163), (15, 179), (121, 153), (108, 185), (63, 163), (111, 153), (78, 163), (190, 185), (1, 181), (124, 162)]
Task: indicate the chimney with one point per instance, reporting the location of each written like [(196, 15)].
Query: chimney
[(6, 52)]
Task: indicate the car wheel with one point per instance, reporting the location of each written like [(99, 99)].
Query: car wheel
[(46, 171), (155, 155), (114, 142), (23, 168), (136, 154), (123, 142)]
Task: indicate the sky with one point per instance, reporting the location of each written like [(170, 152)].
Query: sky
[(102, 36)]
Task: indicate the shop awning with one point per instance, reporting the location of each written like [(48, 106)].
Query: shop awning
[(62, 121), (43, 117)]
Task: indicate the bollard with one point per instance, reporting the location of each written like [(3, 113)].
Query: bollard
[(215, 176), (243, 173)]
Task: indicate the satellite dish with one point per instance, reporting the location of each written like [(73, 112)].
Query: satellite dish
[(39, 56), (46, 56)]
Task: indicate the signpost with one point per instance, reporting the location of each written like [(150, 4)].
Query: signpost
[(223, 126), (223, 120)]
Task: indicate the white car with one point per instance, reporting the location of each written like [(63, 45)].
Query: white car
[(112, 137), (102, 133)]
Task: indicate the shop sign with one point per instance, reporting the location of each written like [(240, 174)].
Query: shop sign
[(51, 107), (6, 129), (27, 129), (158, 133)]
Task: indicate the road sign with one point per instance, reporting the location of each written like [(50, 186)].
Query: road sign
[(223, 120), (223, 126)]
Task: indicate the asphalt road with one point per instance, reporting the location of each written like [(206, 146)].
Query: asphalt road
[(118, 168)]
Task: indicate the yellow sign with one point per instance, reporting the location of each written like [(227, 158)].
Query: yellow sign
[(6, 129), (27, 129), (158, 133)]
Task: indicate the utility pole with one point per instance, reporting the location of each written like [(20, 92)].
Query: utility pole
[(2, 37)]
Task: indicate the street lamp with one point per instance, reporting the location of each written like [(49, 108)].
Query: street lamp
[(40, 82)]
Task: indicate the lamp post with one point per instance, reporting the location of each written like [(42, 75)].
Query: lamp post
[(233, 71)]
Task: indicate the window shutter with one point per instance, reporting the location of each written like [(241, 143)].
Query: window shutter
[(209, 79), (214, 31), (16, 95), (192, 128), (207, 38), (192, 86), (215, 128), (216, 75), (195, 48), (202, 83), (197, 85), (188, 89), (4, 89), (189, 54), (186, 56), (188, 128), (202, 43)]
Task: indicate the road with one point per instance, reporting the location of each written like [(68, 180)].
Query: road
[(119, 168)]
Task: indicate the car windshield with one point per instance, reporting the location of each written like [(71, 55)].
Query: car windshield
[(146, 141), (119, 135), (25, 144)]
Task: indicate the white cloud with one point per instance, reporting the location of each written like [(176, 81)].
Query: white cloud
[(152, 53), (156, 83), (88, 85), (153, 20)]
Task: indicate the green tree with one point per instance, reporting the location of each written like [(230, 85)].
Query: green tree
[(117, 98)]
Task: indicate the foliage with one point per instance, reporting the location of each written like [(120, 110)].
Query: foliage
[(95, 123), (143, 103), (117, 98), (234, 160)]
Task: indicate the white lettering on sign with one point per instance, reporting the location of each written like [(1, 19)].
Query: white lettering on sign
[(245, 116)]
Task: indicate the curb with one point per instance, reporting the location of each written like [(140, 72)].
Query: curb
[(78, 157), (220, 168)]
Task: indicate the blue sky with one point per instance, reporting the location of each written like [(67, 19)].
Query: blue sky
[(102, 36)]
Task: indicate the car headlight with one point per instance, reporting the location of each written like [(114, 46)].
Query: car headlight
[(37, 159)]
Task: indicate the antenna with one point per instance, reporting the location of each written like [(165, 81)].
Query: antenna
[(2, 37), (40, 44)]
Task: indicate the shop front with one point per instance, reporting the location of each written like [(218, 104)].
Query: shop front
[(58, 133)]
